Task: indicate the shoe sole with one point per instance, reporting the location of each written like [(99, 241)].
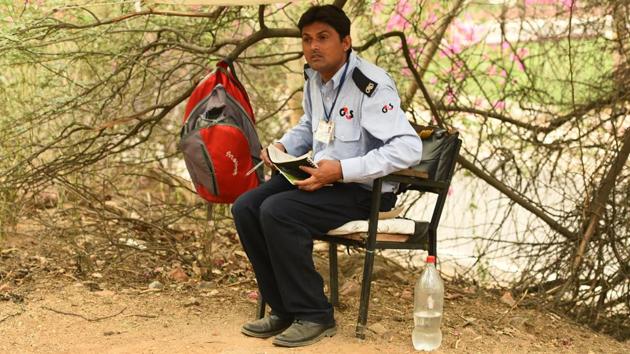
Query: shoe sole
[(261, 335), (327, 333)]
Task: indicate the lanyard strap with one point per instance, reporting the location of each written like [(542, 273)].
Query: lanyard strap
[(343, 79)]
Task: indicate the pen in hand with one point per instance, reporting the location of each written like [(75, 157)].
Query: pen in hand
[(254, 168)]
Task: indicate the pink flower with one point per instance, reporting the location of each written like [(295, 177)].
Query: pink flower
[(565, 3), (518, 57), (452, 48), (492, 70), (433, 80), (398, 20), (465, 34), (451, 97), (404, 8), (499, 105), (518, 62), (377, 7), (415, 52), (468, 31), (568, 4), (456, 47), (432, 19), (540, 2), (458, 69)]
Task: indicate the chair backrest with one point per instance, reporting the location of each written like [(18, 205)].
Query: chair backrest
[(439, 152)]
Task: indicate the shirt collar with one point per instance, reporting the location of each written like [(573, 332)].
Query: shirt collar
[(336, 79)]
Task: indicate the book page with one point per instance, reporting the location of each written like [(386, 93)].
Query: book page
[(289, 165), (278, 156)]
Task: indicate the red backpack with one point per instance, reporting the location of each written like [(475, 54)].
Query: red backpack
[(218, 139)]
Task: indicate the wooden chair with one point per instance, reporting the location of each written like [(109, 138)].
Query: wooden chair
[(432, 175)]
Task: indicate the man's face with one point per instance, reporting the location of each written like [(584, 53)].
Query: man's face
[(324, 51)]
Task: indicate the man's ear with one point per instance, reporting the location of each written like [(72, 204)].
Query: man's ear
[(346, 42)]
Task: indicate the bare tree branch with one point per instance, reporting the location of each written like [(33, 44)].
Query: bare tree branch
[(433, 46)]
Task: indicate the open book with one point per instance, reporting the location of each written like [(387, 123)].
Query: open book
[(289, 165)]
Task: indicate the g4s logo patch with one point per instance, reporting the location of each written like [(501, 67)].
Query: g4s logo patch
[(388, 107), (369, 88), (346, 113)]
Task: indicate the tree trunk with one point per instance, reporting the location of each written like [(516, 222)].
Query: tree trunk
[(598, 204)]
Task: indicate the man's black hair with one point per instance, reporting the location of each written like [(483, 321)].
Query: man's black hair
[(328, 14)]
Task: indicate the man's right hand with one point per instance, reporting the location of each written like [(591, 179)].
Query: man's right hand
[(265, 157)]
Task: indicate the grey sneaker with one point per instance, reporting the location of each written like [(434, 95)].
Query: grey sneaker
[(303, 333)]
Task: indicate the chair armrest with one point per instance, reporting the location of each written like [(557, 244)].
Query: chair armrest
[(410, 172), (416, 180)]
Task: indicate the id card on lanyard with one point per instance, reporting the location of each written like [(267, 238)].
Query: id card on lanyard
[(326, 128), (325, 132)]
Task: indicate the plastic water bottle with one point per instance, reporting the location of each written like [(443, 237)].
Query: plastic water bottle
[(428, 304)]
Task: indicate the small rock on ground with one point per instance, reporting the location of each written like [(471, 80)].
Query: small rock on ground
[(379, 329), (156, 285)]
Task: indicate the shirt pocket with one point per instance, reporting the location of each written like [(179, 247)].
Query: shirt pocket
[(347, 125)]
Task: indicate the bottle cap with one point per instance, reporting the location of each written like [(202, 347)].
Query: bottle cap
[(431, 259)]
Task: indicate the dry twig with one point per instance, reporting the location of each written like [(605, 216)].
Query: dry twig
[(83, 317)]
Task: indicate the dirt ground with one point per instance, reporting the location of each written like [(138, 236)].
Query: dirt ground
[(45, 307)]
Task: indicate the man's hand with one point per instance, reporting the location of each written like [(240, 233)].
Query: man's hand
[(328, 171), (265, 157)]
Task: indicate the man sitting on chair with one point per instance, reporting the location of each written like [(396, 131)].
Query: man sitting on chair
[(357, 132)]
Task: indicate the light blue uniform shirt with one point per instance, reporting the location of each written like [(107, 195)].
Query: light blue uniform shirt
[(372, 137)]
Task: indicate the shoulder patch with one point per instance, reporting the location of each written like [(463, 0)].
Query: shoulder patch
[(364, 83), (306, 66)]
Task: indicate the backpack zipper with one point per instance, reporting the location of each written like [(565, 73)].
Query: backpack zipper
[(206, 157)]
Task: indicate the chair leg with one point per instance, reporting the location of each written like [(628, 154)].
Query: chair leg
[(365, 293), (260, 309), (334, 278), (369, 257), (432, 243)]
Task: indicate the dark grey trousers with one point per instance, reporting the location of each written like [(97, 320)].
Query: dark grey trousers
[(276, 223)]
